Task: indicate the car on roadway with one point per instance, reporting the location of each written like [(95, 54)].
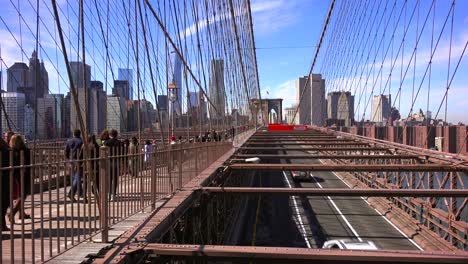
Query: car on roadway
[(350, 244), (298, 176)]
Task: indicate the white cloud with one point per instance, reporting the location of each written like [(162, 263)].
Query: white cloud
[(269, 16), (287, 91)]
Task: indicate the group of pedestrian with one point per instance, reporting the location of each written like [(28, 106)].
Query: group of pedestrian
[(119, 164), (15, 154)]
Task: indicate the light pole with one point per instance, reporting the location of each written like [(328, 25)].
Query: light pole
[(172, 89)]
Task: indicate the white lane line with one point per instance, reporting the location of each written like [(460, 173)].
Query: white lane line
[(340, 214), (383, 216), (301, 223)]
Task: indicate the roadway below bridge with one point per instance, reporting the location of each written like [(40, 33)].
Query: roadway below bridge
[(308, 221)]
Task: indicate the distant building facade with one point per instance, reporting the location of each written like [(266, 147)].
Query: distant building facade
[(97, 108), (17, 76), (193, 99), (163, 109), (175, 76), (127, 75), (46, 117), (122, 89), (303, 91), (317, 101), (381, 108), (38, 76), (217, 90), (14, 104), (77, 74), (345, 108), (116, 113), (332, 105), (340, 108), (289, 115)]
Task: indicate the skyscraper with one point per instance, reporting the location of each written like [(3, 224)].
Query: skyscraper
[(163, 110), (74, 120), (60, 114), (381, 107), (305, 105), (38, 76), (340, 108), (77, 74), (318, 105), (97, 107), (345, 108), (175, 76), (162, 102), (332, 105), (28, 122), (193, 99), (46, 117), (92, 105), (15, 109), (127, 75), (116, 113), (217, 92), (122, 89), (17, 76)]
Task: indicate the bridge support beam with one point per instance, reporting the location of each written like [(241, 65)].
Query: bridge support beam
[(340, 192)]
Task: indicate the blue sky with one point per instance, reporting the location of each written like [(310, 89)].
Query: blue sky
[(286, 32), (284, 23)]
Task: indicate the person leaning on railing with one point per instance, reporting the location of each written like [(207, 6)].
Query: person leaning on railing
[(21, 156)]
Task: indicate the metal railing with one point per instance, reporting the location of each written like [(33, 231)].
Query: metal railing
[(111, 184)]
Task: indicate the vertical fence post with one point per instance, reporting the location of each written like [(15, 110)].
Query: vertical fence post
[(153, 178), (207, 161), (170, 166), (179, 157), (196, 160), (103, 183)]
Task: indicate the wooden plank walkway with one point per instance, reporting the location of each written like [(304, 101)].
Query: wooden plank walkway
[(82, 252), (60, 224)]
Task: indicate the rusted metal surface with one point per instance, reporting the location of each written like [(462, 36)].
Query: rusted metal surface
[(114, 186), (349, 167), (394, 176), (432, 154), (309, 143), (278, 254), (340, 192), (351, 148), (326, 156), (160, 220)]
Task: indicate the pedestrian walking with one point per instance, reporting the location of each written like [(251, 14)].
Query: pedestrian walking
[(147, 150), (74, 154), (132, 157), (21, 175), (93, 156), (115, 150), (5, 182)]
